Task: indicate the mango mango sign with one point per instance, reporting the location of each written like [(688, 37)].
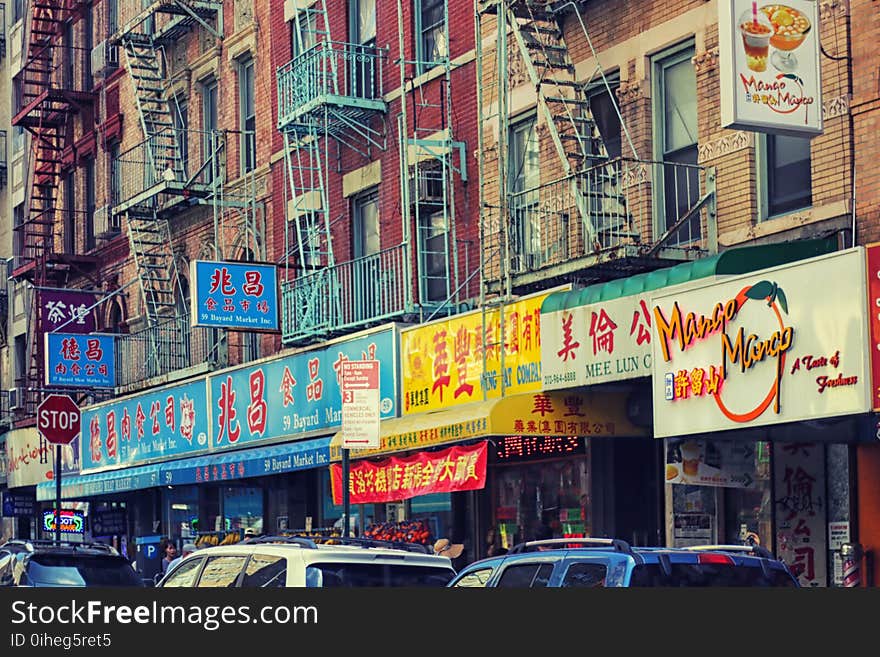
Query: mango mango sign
[(773, 346)]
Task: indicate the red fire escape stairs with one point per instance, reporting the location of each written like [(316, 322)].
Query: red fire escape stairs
[(48, 102)]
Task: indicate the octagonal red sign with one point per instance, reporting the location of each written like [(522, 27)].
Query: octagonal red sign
[(58, 419)]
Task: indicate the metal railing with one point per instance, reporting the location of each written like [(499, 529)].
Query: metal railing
[(347, 295), (329, 68), (169, 346), (171, 158), (619, 202)]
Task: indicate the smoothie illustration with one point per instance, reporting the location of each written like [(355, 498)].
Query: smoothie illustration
[(757, 31)]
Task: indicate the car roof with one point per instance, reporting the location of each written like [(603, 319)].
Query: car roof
[(314, 551), (18, 546), (565, 547)]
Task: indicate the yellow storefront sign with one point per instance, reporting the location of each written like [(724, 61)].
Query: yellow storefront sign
[(557, 413), (442, 362)]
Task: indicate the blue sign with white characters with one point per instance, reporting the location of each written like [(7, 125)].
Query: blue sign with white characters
[(295, 394), (236, 295), (160, 424), (82, 361)]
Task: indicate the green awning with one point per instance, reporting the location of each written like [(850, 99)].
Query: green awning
[(740, 260)]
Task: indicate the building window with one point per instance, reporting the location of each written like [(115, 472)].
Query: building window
[(786, 176), (675, 144), (67, 74), (524, 178), (605, 114), (209, 125), (70, 214), (431, 46), (303, 32), (18, 223), (88, 42), (433, 236), (17, 10), (89, 219), (21, 360), (365, 231), (362, 15), (248, 116), (181, 127), (115, 176)]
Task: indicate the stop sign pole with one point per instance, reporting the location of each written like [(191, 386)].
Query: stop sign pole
[(59, 421)]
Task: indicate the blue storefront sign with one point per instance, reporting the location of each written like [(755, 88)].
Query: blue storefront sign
[(164, 423), (17, 504), (235, 295), (296, 394), (82, 361)]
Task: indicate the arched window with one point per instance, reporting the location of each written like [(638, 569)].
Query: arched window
[(115, 322)]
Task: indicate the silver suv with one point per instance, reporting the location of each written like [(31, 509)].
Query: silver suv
[(290, 561)]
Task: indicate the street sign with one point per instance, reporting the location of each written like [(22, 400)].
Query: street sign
[(58, 419), (360, 404)]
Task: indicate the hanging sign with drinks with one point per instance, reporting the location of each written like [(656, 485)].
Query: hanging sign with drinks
[(769, 61), (773, 346)]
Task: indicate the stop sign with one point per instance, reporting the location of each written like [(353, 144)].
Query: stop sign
[(58, 419)]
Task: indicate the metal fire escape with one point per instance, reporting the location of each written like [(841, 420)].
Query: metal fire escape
[(432, 160), (594, 209), (160, 177), (329, 99), (48, 97)]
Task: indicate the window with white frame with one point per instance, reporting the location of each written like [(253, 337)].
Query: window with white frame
[(675, 144), (524, 175), (248, 116)]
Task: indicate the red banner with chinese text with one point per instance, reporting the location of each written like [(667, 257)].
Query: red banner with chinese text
[(400, 478)]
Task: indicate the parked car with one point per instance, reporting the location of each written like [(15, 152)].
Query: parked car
[(598, 562), (290, 561), (46, 563)]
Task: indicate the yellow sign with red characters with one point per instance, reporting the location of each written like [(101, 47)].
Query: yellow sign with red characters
[(443, 362)]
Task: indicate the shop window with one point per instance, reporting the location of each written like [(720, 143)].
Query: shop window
[(221, 572), (585, 575), (184, 576), (526, 576), (243, 508), (265, 571)]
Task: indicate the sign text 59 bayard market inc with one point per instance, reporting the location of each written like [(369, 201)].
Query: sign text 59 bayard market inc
[(769, 65), (779, 345)]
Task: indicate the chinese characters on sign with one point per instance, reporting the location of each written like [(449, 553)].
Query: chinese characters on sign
[(235, 295), (595, 343), (163, 423), (76, 360), (769, 62), (452, 362), (295, 394), (400, 478), (67, 311), (801, 510), (775, 346)]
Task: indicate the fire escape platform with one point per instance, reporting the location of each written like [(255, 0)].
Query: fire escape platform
[(52, 107), (183, 11), (178, 190)]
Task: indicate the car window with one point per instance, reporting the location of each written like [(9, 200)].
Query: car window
[(704, 574), (221, 572), (184, 575), (332, 574), (525, 576), (475, 579), (265, 571), (585, 574), (80, 570)]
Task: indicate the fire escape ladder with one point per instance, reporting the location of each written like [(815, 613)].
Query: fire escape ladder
[(565, 107)]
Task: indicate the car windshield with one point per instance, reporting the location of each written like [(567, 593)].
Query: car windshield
[(704, 574), (375, 574), (81, 570)]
